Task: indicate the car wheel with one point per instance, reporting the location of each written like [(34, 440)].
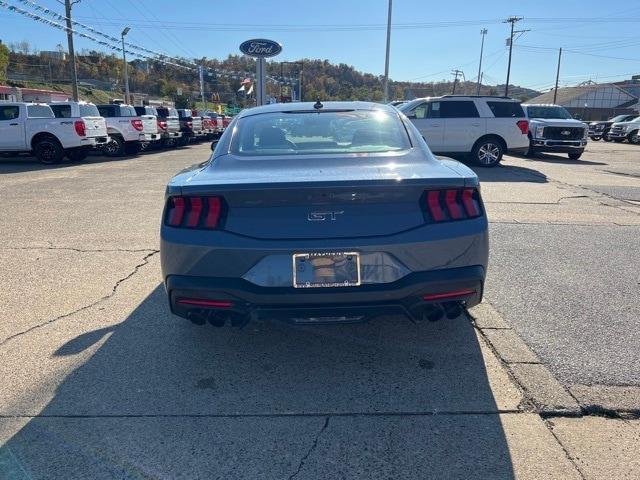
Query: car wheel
[(114, 147), (77, 154), (605, 136), (49, 151), (487, 153), (634, 137), (575, 155)]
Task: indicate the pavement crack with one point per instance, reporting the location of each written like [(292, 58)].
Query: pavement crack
[(549, 426), (114, 289), (314, 445), (83, 250)]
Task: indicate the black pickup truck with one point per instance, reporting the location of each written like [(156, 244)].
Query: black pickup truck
[(600, 130)]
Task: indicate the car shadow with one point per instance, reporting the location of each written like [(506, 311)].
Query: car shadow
[(24, 163), (550, 158), (161, 397), (509, 173)]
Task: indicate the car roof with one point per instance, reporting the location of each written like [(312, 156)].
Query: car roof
[(308, 106), (540, 105)]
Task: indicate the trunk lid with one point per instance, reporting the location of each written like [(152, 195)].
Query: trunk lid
[(196, 124), (95, 126), (332, 198), (149, 124), (173, 124)]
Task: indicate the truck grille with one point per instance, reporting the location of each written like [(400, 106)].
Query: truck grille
[(563, 133), (617, 130)]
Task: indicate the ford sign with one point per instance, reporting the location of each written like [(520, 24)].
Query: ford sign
[(260, 48)]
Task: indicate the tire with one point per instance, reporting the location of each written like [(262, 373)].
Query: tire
[(605, 136), (531, 152), (575, 155), (49, 151), (144, 146), (132, 148), (114, 147), (77, 154), (183, 141), (169, 143), (634, 137), (487, 152)]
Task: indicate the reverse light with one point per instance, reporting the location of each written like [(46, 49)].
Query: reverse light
[(523, 125), (452, 204), (80, 127), (137, 124), (194, 212)]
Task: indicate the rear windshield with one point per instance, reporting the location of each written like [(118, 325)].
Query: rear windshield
[(548, 112), (61, 111), (89, 110), (506, 109), (39, 111), (127, 111), (293, 133), (184, 113)]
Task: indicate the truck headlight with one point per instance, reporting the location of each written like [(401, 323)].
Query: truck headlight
[(539, 132)]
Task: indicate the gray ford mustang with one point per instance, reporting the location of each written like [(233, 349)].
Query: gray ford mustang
[(319, 213)]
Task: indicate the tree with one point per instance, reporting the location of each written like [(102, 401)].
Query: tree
[(4, 62)]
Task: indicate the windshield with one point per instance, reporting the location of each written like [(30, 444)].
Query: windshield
[(619, 118), (548, 112), (291, 133), (634, 120), (89, 110)]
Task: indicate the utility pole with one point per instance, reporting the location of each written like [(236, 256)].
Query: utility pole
[(555, 92), (386, 61), (512, 21), (126, 72), (201, 75), (72, 54), (483, 32), (455, 79)]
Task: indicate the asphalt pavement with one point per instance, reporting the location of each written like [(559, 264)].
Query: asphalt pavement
[(99, 380)]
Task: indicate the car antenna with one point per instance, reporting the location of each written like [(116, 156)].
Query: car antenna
[(318, 105)]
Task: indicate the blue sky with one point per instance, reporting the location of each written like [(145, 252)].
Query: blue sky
[(429, 38)]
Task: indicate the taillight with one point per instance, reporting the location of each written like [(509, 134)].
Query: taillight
[(81, 128), (523, 125), (452, 204), (162, 124), (189, 124), (137, 124), (194, 212)]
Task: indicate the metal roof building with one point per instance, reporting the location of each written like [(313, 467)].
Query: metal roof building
[(597, 101)]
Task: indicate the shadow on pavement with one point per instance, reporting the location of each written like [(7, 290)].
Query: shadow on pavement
[(25, 163), (509, 173), (163, 398), (561, 159)]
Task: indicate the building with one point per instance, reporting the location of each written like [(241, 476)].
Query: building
[(15, 94), (593, 101), (53, 54)]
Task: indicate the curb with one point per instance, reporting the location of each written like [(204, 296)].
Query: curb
[(540, 387)]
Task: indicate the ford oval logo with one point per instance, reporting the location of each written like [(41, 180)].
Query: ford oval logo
[(260, 47), (565, 132)]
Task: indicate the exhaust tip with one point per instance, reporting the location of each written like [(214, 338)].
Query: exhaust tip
[(452, 309), (196, 317), (433, 313)]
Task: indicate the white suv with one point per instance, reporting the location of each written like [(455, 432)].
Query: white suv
[(483, 126)]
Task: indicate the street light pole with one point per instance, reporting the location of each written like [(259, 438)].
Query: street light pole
[(483, 32), (386, 61), (126, 72)]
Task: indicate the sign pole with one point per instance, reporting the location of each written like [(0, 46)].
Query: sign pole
[(260, 48), (260, 79)]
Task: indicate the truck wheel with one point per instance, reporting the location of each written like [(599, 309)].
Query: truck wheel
[(49, 151), (634, 137), (531, 152), (77, 154), (487, 152), (605, 136), (169, 143), (114, 147), (575, 155)]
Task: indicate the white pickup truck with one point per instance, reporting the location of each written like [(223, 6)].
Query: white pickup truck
[(33, 128), (127, 130)]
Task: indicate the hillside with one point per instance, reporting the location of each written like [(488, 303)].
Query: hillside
[(100, 76)]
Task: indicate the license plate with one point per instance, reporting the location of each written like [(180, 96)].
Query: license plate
[(331, 269)]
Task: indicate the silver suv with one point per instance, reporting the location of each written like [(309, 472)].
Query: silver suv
[(483, 127)]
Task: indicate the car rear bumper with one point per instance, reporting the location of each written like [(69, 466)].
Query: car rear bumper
[(408, 295), (168, 135)]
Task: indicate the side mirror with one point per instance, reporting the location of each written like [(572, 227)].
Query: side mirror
[(213, 145)]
